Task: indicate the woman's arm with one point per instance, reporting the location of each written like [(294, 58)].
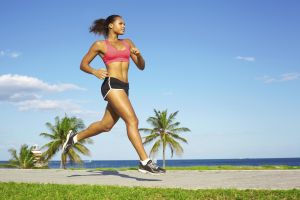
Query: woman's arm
[(89, 56), (136, 55)]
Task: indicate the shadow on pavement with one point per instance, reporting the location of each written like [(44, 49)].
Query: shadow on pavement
[(112, 173)]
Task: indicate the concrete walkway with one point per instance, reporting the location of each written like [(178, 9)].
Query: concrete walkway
[(187, 179)]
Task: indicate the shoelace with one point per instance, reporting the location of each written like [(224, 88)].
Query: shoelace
[(153, 165)]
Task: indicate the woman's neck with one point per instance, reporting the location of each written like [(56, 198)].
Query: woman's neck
[(112, 38)]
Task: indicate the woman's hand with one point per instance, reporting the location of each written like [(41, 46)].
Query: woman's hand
[(136, 56), (135, 51), (100, 73)]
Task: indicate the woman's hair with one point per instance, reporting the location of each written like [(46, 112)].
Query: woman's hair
[(100, 26)]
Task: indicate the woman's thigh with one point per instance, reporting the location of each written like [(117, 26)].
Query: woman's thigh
[(121, 104), (110, 117)]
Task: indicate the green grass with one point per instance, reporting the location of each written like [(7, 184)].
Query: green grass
[(6, 166), (32, 191)]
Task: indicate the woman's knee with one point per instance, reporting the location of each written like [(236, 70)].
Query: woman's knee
[(132, 121), (107, 127), (101, 126)]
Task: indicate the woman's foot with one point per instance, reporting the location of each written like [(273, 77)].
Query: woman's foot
[(151, 168)]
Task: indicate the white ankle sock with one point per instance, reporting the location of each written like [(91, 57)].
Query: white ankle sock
[(75, 139), (144, 162)]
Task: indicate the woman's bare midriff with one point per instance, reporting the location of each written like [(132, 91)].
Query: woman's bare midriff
[(118, 70)]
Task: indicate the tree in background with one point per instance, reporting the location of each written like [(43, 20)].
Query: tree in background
[(166, 133), (58, 135), (24, 160)]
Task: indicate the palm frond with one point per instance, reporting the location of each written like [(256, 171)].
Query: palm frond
[(173, 126), (51, 127), (86, 141), (74, 156), (174, 135), (153, 122), (25, 158), (172, 117), (182, 129), (82, 149), (47, 135), (172, 150), (57, 135), (146, 130), (155, 148), (15, 161), (163, 119), (53, 147), (175, 145), (166, 131), (150, 138), (13, 153)]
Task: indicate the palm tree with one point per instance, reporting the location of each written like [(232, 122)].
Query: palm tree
[(58, 134), (25, 159), (166, 131)]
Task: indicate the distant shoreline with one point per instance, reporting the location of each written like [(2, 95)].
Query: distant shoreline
[(208, 168), (183, 159), (206, 163)]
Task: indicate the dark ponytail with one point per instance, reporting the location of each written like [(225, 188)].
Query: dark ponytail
[(100, 26)]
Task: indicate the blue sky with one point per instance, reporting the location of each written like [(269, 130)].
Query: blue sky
[(231, 68)]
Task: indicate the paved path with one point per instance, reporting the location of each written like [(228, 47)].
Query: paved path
[(188, 179)]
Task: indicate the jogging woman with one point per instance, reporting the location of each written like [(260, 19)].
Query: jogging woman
[(115, 53)]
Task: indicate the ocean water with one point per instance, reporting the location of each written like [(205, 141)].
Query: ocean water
[(181, 162)]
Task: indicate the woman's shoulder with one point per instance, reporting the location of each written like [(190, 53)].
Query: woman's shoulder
[(129, 41), (98, 44)]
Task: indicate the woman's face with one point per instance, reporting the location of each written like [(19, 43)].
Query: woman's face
[(118, 26)]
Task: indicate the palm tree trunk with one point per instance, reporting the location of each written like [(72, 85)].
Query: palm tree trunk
[(62, 164), (164, 156)]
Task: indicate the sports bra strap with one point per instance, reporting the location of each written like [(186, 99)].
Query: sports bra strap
[(122, 40), (126, 44)]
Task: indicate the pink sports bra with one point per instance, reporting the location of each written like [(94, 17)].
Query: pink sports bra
[(113, 55)]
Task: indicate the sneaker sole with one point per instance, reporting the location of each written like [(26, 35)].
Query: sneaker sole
[(147, 172), (66, 142)]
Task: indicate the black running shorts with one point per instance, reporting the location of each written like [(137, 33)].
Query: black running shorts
[(113, 83)]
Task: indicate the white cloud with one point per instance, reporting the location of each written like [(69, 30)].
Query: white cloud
[(267, 79), (17, 97), (39, 104), (59, 105), (249, 59), (15, 54), (282, 78), (12, 54), (289, 76), (17, 87), (15, 83), (26, 93)]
